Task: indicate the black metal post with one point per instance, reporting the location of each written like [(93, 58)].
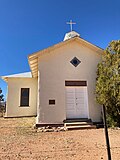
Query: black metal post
[(106, 133)]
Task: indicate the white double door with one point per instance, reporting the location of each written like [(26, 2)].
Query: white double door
[(76, 102)]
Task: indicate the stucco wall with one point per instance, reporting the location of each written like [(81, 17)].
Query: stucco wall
[(13, 108), (55, 68)]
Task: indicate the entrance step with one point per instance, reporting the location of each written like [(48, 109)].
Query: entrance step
[(78, 124), (80, 127), (77, 120)]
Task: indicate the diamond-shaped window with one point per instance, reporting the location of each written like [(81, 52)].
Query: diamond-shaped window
[(75, 61)]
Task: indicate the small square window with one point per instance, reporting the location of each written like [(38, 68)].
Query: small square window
[(51, 102), (75, 61)]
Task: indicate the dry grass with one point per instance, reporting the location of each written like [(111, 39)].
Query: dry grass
[(19, 141)]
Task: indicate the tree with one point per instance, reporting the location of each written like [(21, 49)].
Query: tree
[(1, 96), (108, 82)]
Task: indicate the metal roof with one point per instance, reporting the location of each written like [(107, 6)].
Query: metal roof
[(20, 75)]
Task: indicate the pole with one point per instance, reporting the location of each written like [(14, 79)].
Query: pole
[(106, 133)]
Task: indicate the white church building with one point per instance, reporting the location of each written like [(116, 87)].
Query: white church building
[(60, 85)]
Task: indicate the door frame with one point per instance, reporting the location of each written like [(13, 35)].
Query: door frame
[(77, 83)]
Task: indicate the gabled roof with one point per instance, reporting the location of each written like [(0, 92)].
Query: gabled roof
[(20, 75), (33, 58)]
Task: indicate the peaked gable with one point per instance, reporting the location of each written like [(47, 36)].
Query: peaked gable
[(33, 58)]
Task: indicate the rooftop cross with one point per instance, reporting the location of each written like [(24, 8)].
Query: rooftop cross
[(71, 23)]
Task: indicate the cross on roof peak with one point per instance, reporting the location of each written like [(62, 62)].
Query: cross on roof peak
[(71, 23)]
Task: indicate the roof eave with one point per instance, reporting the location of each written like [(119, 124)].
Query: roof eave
[(4, 78)]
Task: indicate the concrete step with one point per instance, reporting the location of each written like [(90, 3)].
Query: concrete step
[(80, 127), (77, 120), (82, 123), (78, 123)]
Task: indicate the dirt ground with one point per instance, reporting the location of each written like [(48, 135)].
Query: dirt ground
[(19, 141)]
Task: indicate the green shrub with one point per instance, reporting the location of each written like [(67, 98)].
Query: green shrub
[(110, 121)]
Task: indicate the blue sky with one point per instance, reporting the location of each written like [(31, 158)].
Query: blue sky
[(27, 26)]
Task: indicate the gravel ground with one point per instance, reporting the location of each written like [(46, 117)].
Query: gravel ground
[(19, 141)]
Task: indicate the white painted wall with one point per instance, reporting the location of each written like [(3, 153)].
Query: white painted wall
[(55, 68), (13, 108)]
